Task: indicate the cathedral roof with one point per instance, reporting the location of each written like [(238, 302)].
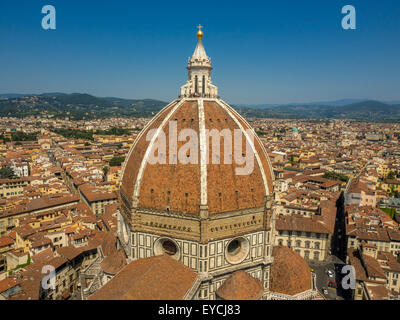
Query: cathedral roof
[(109, 244), (183, 188), (155, 278), (290, 273), (114, 262), (241, 286)]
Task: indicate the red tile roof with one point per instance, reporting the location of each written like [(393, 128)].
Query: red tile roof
[(5, 241), (241, 286), (290, 273), (114, 263), (155, 278), (7, 284), (178, 186)]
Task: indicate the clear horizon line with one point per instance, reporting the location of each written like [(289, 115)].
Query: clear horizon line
[(233, 103)]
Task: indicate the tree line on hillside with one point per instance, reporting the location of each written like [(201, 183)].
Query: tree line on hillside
[(20, 136), (7, 173), (336, 176), (88, 134)]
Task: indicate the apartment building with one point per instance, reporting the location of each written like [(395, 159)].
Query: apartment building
[(96, 198), (308, 235)]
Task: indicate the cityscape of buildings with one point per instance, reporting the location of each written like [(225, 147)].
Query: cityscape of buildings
[(79, 197)]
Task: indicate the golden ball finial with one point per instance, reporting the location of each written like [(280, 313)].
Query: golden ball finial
[(200, 33)]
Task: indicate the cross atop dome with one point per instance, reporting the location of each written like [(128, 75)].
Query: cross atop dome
[(199, 66), (200, 33)]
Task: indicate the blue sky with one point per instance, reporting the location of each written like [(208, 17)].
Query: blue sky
[(262, 51)]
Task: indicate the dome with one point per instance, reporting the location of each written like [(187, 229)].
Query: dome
[(290, 273), (295, 129), (183, 188), (241, 286), (197, 187), (196, 172), (113, 263)]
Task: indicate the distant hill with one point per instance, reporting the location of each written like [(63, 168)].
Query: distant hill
[(393, 102), (85, 106), (77, 106), (18, 95), (365, 110), (14, 95), (326, 103)]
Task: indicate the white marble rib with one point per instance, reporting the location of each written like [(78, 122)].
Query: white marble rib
[(203, 153)]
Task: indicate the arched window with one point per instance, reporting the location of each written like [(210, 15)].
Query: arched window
[(204, 85), (196, 84)]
